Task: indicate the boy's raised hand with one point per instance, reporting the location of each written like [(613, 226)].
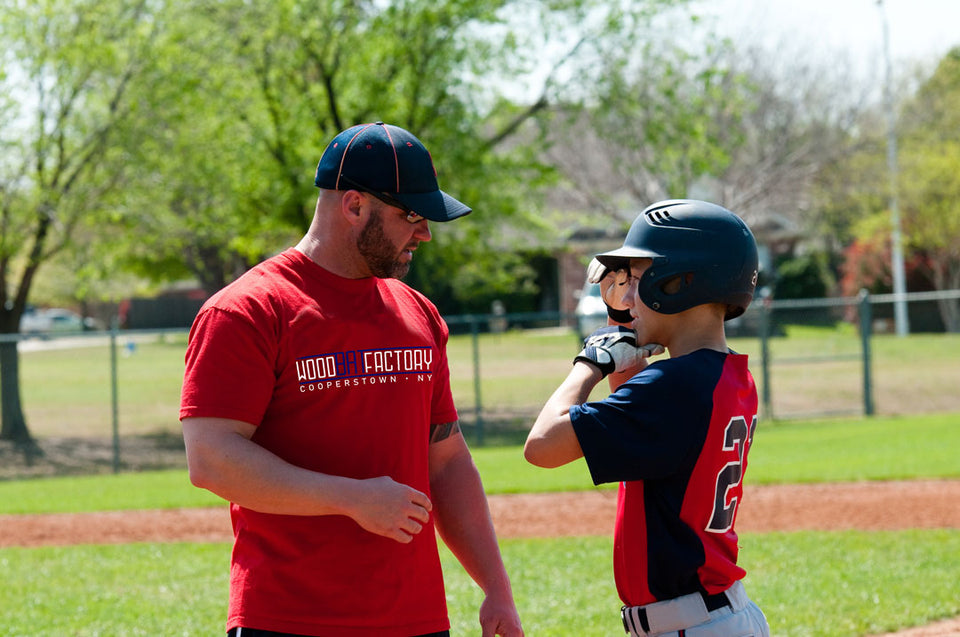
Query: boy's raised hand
[(614, 349)]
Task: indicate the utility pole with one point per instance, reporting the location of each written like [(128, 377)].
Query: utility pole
[(896, 239)]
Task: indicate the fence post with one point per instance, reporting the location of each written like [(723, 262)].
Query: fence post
[(478, 403), (114, 399), (765, 352), (866, 327)]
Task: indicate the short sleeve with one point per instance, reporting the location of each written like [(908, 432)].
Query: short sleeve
[(229, 368), (442, 408), (647, 429)]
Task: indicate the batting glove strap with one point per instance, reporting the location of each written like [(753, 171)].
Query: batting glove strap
[(619, 316), (609, 349)]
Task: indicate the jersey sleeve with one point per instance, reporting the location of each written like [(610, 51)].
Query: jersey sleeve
[(229, 368), (647, 429), (442, 409)]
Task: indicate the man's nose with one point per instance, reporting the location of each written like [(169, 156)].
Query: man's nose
[(422, 231)]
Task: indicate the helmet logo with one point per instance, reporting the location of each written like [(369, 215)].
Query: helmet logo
[(753, 280)]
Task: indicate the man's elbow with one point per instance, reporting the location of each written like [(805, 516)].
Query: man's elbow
[(203, 466), (200, 472)]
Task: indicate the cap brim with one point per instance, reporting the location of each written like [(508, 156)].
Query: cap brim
[(435, 206), (617, 257)]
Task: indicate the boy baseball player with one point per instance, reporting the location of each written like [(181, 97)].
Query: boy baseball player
[(675, 433)]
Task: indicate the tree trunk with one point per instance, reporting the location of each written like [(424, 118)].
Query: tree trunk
[(946, 277), (13, 424)]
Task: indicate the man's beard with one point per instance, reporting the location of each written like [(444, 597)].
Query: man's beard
[(381, 255)]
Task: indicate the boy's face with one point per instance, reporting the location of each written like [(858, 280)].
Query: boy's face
[(646, 321)]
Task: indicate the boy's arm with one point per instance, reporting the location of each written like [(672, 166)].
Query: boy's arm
[(552, 441)]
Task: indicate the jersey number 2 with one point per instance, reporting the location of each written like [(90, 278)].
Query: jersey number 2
[(736, 436)]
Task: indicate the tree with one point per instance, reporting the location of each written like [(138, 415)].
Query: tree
[(175, 138), (262, 87), (930, 180), (68, 65), (754, 130), (928, 190)]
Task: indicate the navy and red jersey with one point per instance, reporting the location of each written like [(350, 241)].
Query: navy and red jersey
[(676, 437)]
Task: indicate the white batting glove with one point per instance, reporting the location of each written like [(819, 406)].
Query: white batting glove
[(609, 291), (614, 349), (596, 271)]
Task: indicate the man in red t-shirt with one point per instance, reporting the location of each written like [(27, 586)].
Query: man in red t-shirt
[(317, 400), (674, 433)]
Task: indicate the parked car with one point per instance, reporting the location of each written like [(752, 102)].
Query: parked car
[(591, 312), (55, 319)]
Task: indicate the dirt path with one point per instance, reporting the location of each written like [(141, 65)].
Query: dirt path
[(861, 505)]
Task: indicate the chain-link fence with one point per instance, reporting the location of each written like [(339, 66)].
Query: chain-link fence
[(110, 399), (811, 358)]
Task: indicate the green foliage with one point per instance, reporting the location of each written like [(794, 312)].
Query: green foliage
[(68, 95), (672, 118), (928, 190), (806, 276), (227, 106), (851, 187)]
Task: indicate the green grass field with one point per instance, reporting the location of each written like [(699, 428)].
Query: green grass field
[(808, 583), (828, 584)]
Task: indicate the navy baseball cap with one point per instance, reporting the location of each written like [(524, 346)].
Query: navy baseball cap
[(387, 159)]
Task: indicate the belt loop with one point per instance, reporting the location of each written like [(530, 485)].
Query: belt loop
[(627, 619), (633, 615)]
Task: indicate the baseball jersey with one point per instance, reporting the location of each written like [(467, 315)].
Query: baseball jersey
[(344, 377), (676, 437)]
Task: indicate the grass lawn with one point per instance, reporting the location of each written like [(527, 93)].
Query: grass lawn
[(852, 449), (810, 583)]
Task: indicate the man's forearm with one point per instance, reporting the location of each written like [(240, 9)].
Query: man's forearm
[(463, 519)]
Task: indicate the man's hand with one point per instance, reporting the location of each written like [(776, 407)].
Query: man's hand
[(388, 508), (614, 349), (499, 617)]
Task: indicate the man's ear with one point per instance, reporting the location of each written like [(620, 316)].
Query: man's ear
[(352, 208)]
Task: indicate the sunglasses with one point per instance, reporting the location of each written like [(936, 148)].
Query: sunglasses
[(411, 216)]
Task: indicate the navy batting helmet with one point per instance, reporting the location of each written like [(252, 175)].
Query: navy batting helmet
[(710, 250)]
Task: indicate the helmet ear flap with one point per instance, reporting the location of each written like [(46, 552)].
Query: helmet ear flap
[(676, 284), (671, 293)]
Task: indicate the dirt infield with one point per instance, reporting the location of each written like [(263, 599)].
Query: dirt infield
[(862, 505)]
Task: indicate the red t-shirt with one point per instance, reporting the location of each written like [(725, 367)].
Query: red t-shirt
[(341, 376)]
